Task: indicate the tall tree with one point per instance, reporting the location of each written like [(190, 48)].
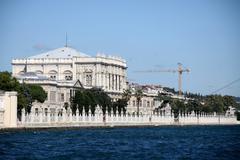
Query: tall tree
[(26, 93), (127, 94), (138, 95)]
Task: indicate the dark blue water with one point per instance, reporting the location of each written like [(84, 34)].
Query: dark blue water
[(169, 142)]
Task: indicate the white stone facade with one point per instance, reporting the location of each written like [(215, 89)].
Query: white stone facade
[(60, 71), (8, 109), (67, 64)]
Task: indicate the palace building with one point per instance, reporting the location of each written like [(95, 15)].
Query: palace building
[(61, 70)]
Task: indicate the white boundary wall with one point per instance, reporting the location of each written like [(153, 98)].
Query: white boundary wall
[(67, 119)]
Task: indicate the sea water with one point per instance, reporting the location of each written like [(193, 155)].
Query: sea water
[(164, 142)]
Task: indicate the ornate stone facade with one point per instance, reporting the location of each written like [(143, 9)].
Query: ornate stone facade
[(60, 70), (67, 64)]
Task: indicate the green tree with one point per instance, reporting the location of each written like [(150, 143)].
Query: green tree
[(229, 101), (7, 82), (126, 94), (214, 103), (89, 99), (26, 93), (37, 93)]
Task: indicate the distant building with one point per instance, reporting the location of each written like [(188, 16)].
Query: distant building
[(230, 111), (148, 102)]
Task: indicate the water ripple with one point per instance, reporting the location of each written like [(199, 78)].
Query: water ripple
[(168, 142)]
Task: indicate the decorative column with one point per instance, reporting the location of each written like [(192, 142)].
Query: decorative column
[(41, 115), (89, 114), (83, 115), (77, 114), (70, 116), (114, 82), (48, 116), (23, 116), (64, 114), (110, 81)]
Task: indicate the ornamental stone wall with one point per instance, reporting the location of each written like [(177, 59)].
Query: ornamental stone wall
[(8, 109)]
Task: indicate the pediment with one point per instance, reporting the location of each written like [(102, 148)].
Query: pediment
[(78, 84)]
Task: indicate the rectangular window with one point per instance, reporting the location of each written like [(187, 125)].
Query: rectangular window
[(89, 80), (116, 82), (148, 104), (62, 97), (68, 97), (46, 111), (36, 111), (140, 103), (52, 96), (119, 82), (112, 82)]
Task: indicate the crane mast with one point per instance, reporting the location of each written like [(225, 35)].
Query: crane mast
[(180, 71)]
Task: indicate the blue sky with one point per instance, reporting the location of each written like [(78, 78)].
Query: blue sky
[(150, 34)]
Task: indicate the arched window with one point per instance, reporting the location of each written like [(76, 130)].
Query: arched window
[(52, 75), (68, 75)]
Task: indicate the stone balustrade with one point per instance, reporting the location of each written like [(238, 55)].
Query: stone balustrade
[(67, 118)]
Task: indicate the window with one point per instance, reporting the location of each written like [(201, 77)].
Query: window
[(112, 82), (62, 97), (134, 103), (89, 80), (116, 82), (52, 96), (148, 104), (46, 111), (67, 96), (36, 111), (119, 82), (53, 75), (68, 75)]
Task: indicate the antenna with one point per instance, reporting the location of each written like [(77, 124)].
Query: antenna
[(66, 45)]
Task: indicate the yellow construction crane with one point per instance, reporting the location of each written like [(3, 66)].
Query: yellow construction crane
[(180, 70)]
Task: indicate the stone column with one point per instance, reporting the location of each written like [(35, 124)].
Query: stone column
[(9, 101), (48, 116), (70, 116), (77, 115), (23, 116), (110, 81), (114, 82)]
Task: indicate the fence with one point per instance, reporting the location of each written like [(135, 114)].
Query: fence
[(67, 118), (1, 117)]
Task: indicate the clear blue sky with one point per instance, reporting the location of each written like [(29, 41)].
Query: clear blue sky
[(203, 35)]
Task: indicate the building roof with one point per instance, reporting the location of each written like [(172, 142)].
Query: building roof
[(63, 52), (31, 75)]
